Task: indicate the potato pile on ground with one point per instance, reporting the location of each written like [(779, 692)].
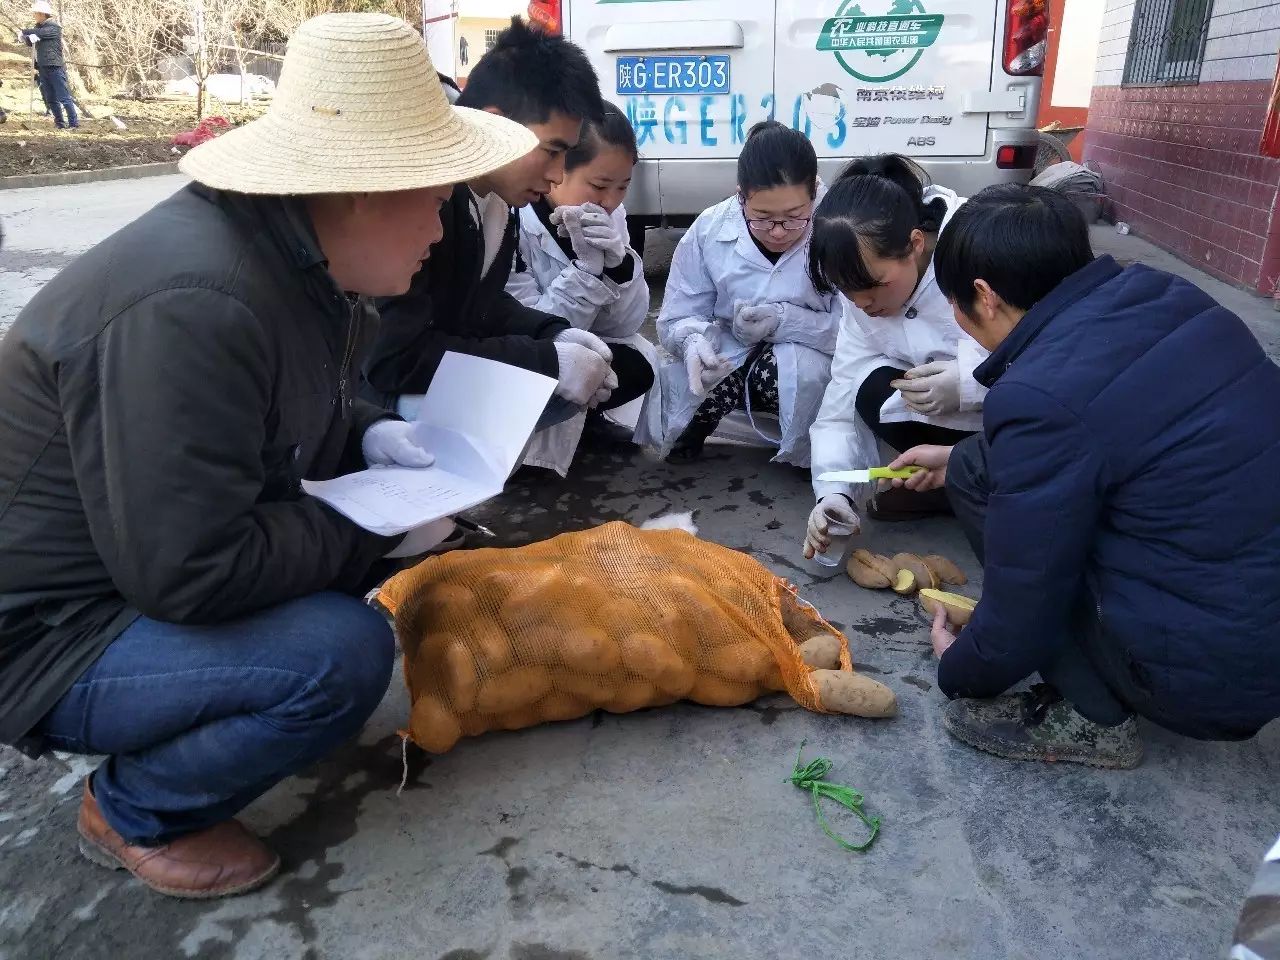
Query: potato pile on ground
[(612, 618)]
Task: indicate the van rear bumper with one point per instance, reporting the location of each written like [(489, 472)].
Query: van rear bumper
[(676, 191)]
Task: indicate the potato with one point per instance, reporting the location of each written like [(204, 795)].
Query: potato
[(843, 691), (821, 652), (680, 633), (959, 609), (514, 689), (534, 585), (634, 695), (652, 658), (723, 693), (494, 587), (798, 622), (746, 662), (449, 603), (596, 691), (589, 650), (561, 706), (772, 679), (492, 648), (433, 726), (925, 579), (944, 569), (865, 571), (461, 681), (905, 583)]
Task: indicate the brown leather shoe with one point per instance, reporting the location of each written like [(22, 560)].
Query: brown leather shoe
[(221, 861)]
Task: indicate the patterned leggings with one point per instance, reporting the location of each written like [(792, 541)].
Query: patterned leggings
[(759, 375)]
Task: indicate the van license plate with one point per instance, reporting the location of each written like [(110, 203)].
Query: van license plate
[(673, 75)]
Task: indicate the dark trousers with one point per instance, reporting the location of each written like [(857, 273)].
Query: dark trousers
[(875, 390), (198, 721), (1086, 672), (57, 95)]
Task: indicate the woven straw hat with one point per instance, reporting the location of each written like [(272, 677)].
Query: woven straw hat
[(359, 108)]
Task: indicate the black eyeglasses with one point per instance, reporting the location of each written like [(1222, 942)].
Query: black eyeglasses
[(790, 224)]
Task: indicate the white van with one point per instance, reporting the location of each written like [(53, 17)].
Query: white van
[(955, 84)]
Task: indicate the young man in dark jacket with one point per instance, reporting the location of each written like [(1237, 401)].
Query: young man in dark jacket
[(168, 594), (1121, 496), (458, 300), (51, 67)]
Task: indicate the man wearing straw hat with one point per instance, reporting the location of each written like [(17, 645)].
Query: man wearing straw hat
[(169, 597), (51, 67)]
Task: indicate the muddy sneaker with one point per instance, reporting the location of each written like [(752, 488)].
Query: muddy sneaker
[(1040, 725)]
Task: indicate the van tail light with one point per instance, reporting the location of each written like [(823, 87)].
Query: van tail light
[(1026, 34), (1010, 157), (545, 14)]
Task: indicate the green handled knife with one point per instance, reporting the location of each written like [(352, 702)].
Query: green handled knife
[(866, 476)]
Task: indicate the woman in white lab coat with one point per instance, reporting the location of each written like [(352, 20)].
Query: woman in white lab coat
[(903, 369), (741, 317), (573, 261)]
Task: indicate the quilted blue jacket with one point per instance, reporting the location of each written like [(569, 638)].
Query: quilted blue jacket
[(1133, 427)]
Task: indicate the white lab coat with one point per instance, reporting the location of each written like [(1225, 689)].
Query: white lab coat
[(613, 312), (717, 263), (841, 440)]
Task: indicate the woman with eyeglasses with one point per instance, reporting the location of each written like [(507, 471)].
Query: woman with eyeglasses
[(740, 313), (903, 368)]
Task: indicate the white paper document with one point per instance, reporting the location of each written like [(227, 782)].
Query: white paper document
[(476, 418)]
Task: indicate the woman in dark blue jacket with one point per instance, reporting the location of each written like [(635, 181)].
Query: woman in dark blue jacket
[(1121, 496)]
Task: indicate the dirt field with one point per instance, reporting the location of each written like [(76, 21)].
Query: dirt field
[(31, 144)]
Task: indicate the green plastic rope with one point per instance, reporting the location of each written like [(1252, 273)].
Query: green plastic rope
[(812, 777)]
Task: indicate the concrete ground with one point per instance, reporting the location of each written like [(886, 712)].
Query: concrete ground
[(670, 833)]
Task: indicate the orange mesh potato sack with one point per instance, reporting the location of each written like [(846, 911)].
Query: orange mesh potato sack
[(614, 618)]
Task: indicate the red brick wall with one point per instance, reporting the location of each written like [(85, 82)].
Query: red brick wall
[(1182, 168)]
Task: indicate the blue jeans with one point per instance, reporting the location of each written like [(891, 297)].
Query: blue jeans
[(198, 721), (54, 80)]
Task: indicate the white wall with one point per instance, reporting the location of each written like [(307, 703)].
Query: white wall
[(1078, 39), (1244, 37), (1113, 42)]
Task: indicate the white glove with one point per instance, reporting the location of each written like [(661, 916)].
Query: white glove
[(833, 508), (585, 338), (606, 390), (754, 322), (703, 364), (392, 443), (421, 539), (934, 388), (568, 221), (599, 231), (583, 373)]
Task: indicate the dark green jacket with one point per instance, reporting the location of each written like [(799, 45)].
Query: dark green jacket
[(160, 401)]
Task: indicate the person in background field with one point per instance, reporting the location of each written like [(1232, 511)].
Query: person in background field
[(573, 261), (51, 67), (903, 370), (458, 301), (169, 596), (740, 313), (1120, 497)]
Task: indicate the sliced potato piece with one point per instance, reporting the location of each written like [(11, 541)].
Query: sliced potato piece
[(959, 609), (865, 570)]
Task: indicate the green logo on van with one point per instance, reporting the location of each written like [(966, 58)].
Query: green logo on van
[(878, 49)]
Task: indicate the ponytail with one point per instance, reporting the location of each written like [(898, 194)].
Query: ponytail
[(873, 207)]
